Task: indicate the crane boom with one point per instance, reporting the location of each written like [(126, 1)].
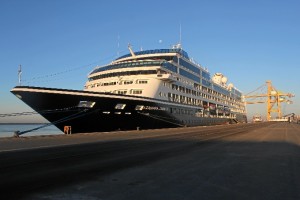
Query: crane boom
[(274, 100)]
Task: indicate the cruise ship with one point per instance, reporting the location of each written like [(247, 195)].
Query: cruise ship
[(148, 89)]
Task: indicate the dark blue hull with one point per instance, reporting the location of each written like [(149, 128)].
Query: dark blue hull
[(84, 111)]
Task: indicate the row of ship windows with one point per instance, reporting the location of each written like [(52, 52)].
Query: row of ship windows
[(193, 101), (126, 73), (206, 87), (133, 91), (125, 82), (201, 113), (202, 88), (184, 99), (127, 65), (198, 93)]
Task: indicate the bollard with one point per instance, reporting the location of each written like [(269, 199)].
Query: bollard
[(67, 129), (16, 133)]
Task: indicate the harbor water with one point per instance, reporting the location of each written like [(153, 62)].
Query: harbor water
[(7, 130)]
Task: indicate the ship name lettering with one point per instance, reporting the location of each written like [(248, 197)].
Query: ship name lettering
[(154, 108)]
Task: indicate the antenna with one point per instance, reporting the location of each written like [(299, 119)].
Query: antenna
[(180, 33), (178, 45), (118, 53), (20, 74)]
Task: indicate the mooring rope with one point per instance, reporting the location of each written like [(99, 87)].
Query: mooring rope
[(39, 112), (74, 116), (17, 114)]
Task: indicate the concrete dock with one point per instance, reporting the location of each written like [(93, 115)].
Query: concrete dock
[(243, 161)]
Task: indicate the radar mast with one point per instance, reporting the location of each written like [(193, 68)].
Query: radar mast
[(131, 51)]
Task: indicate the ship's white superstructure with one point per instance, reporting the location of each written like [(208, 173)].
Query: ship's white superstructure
[(170, 75)]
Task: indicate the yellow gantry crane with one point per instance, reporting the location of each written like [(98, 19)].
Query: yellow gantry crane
[(274, 99)]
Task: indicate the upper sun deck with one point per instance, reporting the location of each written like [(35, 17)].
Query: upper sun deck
[(156, 57), (158, 52)]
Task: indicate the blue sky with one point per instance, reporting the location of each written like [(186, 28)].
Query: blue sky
[(58, 42)]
